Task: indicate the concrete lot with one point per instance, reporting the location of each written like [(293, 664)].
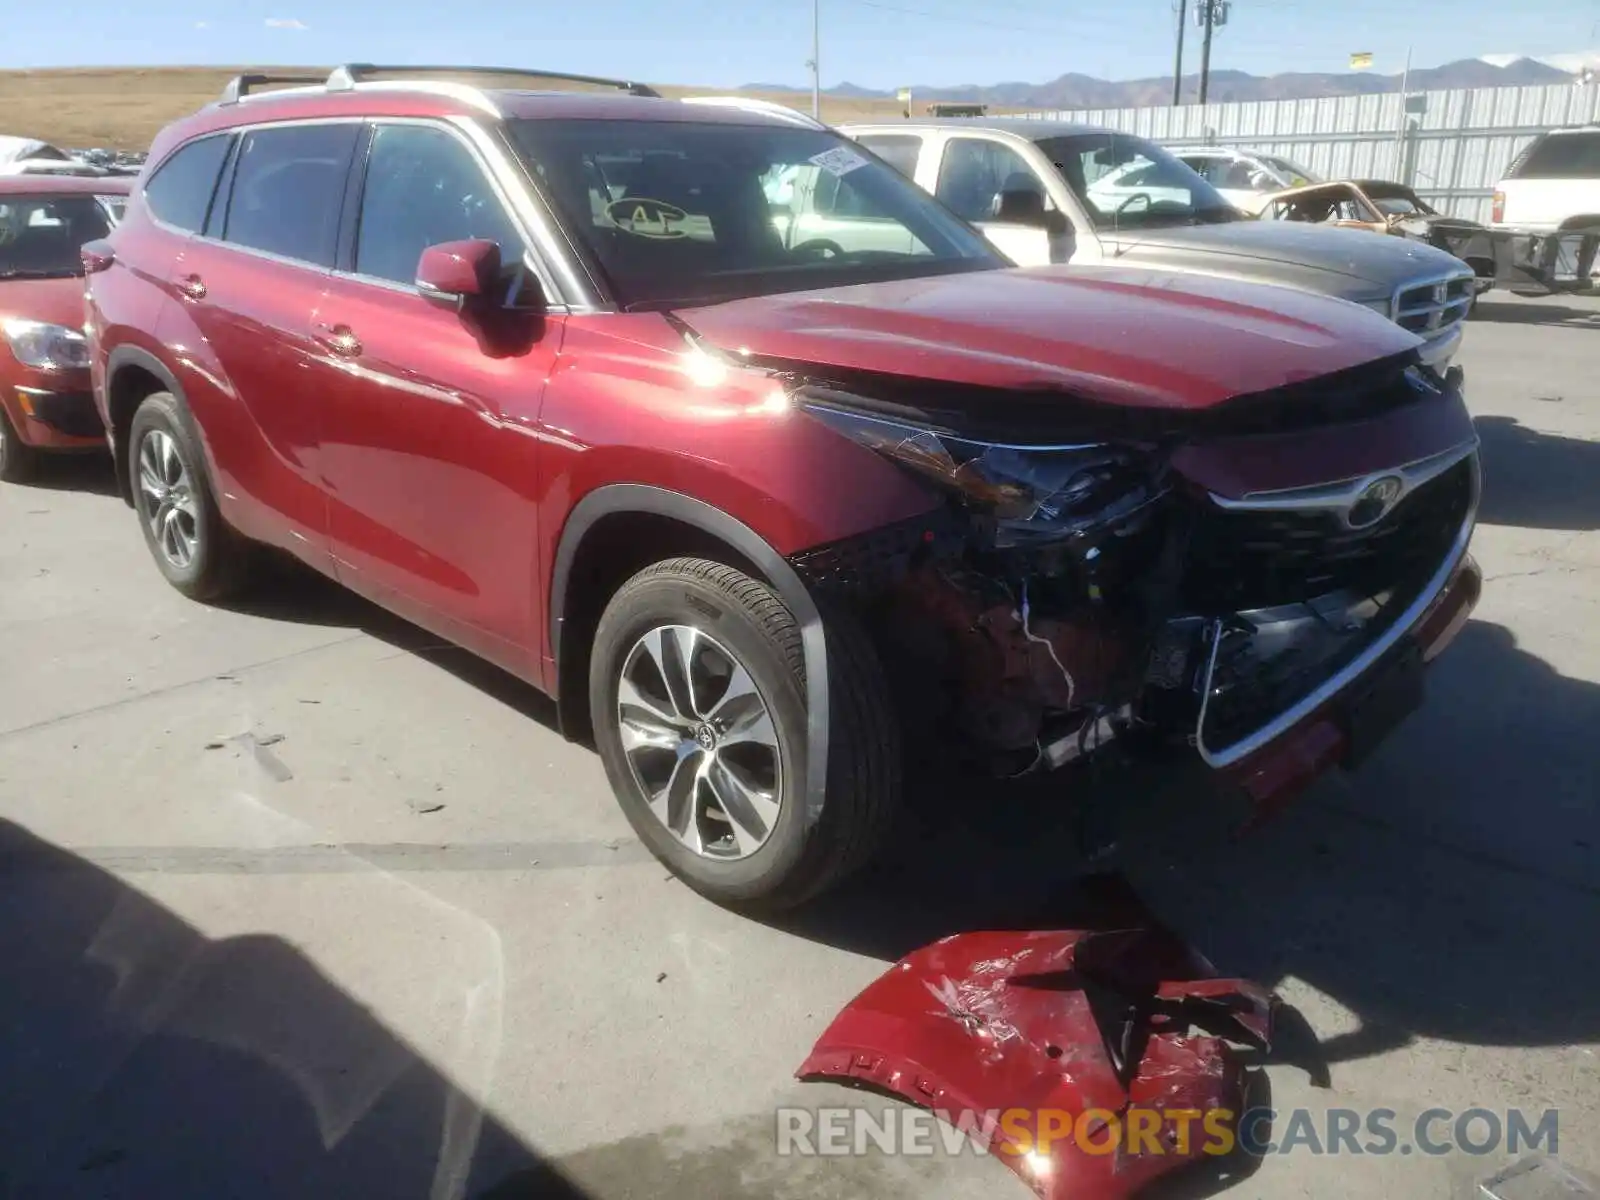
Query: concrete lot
[(295, 901)]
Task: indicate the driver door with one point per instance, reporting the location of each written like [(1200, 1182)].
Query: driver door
[(988, 183), (428, 412)]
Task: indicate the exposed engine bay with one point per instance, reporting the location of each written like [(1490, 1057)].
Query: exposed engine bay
[(1075, 594)]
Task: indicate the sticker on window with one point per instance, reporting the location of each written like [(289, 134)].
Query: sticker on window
[(648, 218), (841, 160)]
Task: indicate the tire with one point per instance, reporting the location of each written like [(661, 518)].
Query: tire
[(18, 461), (217, 560), (731, 620)]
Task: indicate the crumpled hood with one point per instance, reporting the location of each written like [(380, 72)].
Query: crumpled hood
[(1340, 251), (58, 301), (1117, 335)]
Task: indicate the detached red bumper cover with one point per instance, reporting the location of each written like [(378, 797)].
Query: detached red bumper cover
[(1089, 1062)]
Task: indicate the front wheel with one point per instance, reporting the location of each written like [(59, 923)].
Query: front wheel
[(697, 696)]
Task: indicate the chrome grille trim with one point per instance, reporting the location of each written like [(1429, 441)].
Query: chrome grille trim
[(1287, 720), (1427, 307)]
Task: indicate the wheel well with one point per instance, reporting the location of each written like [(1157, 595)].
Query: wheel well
[(129, 386), (617, 547)]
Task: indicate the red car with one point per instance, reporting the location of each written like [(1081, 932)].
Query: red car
[(557, 375), (45, 402)]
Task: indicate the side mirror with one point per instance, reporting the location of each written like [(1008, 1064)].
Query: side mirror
[(96, 256), (458, 272), (1022, 207)]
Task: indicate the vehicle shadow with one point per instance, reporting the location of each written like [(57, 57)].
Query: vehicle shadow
[(285, 589), (143, 1059), (91, 473), (1535, 480), (1538, 311), (1418, 893)]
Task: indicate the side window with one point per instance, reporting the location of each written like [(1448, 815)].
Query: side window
[(1202, 166), (287, 188), (974, 173), (899, 150), (424, 187), (179, 192)]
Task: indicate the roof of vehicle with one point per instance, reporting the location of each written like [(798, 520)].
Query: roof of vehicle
[(1023, 126), (65, 185), (444, 98)]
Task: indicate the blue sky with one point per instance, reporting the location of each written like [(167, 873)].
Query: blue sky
[(878, 43)]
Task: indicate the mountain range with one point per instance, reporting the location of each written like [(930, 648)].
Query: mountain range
[(1076, 91)]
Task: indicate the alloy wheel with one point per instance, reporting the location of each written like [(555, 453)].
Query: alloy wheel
[(167, 499), (700, 741)]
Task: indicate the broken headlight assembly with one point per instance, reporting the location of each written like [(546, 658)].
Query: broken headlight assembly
[(1030, 494)]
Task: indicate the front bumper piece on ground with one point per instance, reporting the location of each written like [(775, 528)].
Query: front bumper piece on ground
[(1073, 1056)]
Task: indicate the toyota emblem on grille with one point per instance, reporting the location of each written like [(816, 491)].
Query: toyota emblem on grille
[(1374, 502)]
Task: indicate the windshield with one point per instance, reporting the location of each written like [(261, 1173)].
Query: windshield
[(1398, 204), (696, 212), (40, 235), (1128, 183), (1295, 175)]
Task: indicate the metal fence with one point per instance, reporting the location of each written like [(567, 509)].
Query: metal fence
[(1451, 146)]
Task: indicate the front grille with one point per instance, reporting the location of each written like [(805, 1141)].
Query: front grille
[(1427, 309), (1244, 559)]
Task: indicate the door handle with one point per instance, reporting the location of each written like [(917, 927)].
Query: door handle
[(341, 339), (193, 287)]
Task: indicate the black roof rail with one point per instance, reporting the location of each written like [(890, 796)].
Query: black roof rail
[(344, 78), (242, 85)]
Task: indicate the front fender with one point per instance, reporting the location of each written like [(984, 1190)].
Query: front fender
[(644, 498)]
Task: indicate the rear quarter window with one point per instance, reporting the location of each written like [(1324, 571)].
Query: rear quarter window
[(1560, 156), (179, 193)]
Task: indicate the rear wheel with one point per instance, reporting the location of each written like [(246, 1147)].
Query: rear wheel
[(18, 460), (192, 545), (697, 695)]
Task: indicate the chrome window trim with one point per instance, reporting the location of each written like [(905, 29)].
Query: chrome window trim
[(239, 131), (1287, 720), (1341, 494)]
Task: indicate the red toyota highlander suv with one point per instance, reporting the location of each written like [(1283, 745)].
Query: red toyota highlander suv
[(558, 375)]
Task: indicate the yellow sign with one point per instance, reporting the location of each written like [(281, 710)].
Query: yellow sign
[(903, 95), (1361, 60)]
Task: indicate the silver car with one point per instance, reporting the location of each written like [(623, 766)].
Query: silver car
[(1052, 192)]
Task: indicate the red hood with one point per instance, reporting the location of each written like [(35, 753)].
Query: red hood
[(58, 301), (1147, 338)]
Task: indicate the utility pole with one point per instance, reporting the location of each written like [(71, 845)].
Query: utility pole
[(816, 57), (1177, 62), (1205, 49)]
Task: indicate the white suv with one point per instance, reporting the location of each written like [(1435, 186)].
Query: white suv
[(1552, 185), (1549, 206)]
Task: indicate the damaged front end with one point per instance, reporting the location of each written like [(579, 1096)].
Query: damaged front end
[(1210, 580)]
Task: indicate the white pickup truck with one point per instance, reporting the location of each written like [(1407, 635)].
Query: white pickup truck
[(1051, 192)]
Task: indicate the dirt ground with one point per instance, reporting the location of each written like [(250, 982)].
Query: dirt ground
[(123, 108)]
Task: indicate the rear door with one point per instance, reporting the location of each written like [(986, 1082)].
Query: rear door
[(247, 288), (428, 414)]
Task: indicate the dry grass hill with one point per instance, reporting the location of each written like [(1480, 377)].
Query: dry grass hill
[(123, 108)]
